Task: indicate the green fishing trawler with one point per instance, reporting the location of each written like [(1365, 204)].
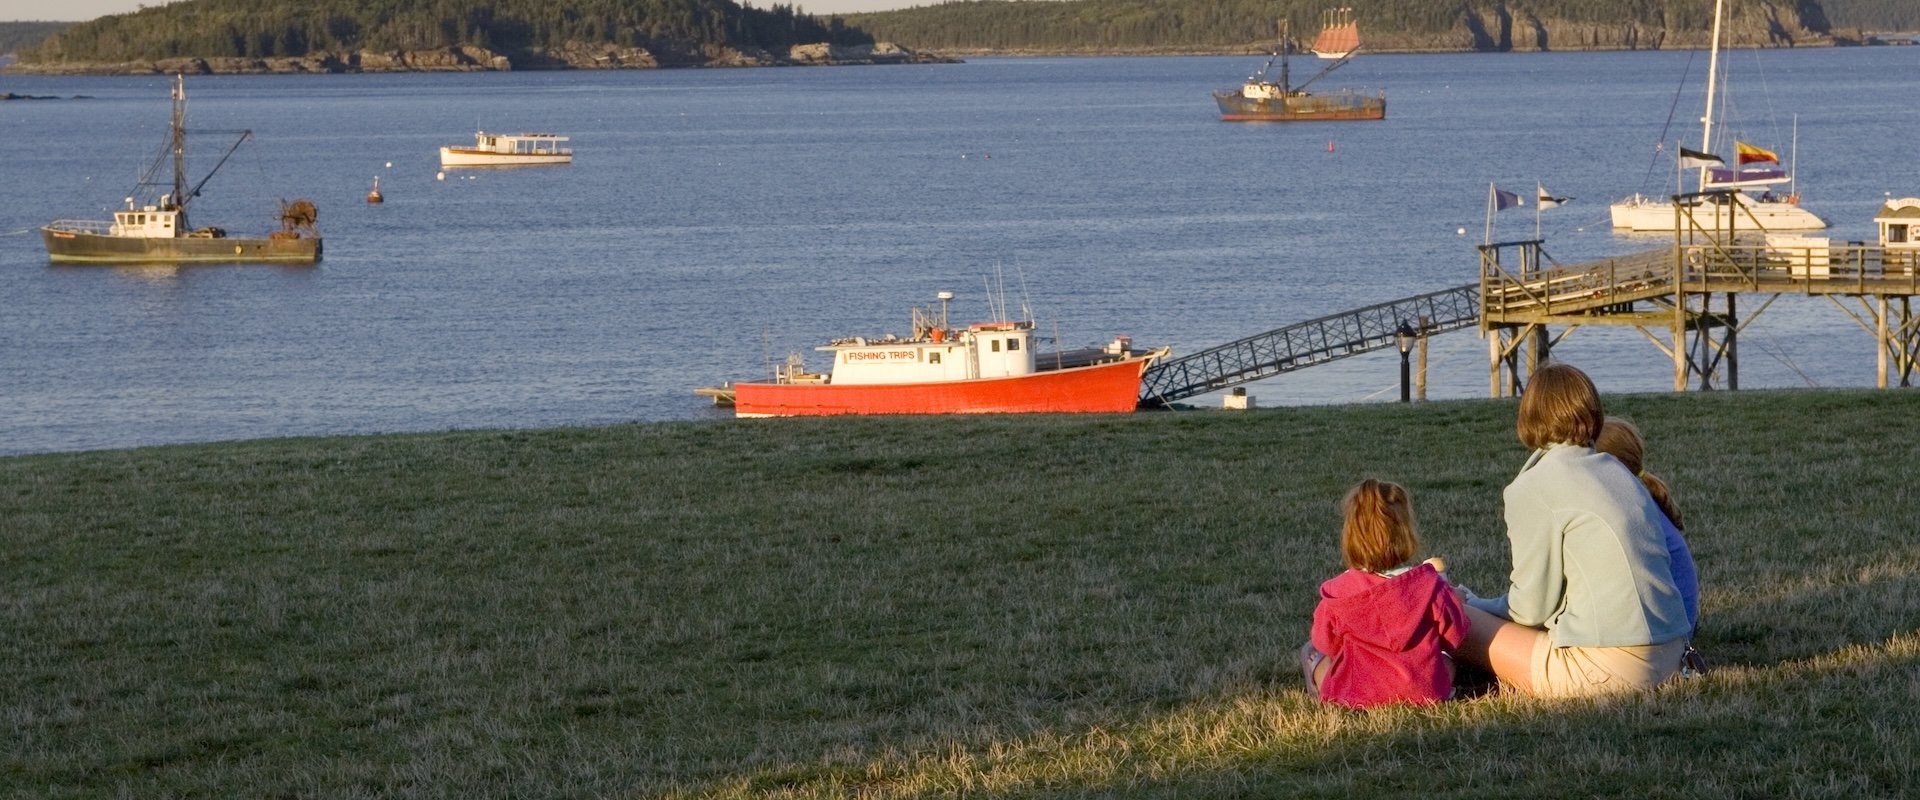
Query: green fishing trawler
[(157, 231)]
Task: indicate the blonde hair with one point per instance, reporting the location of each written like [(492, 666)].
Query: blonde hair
[(1620, 439), (1378, 533), (1559, 406)]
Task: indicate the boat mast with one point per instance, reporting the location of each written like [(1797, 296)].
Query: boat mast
[(179, 197), (1286, 83), (1713, 74)]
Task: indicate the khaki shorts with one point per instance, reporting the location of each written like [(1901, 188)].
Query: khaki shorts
[(1583, 671)]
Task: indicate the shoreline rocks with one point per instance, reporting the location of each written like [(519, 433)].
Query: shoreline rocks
[(572, 56)]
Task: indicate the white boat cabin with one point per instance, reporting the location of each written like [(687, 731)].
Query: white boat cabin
[(521, 144), (983, 350), (148, 222)]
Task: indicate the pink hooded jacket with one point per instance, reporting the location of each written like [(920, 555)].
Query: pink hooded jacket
[(1384, 638)]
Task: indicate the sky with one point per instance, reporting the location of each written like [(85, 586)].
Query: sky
[(74, 10)]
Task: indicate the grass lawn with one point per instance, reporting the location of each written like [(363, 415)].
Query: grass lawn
[(998, 606)]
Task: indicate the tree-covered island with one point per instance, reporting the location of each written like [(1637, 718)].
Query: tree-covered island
[(229, 36), (249, 36)]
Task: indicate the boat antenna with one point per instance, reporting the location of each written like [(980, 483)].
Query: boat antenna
[(997, 292), (1026, 299)]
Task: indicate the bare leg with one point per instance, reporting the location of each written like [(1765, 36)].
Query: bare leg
[(1501, 647), (1313, 667)]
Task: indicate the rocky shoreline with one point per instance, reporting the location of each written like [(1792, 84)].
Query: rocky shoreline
[(479, 59)]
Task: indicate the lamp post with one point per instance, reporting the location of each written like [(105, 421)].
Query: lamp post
[(1404, 338)]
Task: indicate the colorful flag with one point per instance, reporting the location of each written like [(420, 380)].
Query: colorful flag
[(1748, 154), (1503, 200), (1549, 201), (1694, 159)]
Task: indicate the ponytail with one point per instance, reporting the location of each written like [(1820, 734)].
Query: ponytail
[(1662, 497), (1378, 532)]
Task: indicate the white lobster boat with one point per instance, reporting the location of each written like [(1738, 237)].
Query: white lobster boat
[(508, 150)]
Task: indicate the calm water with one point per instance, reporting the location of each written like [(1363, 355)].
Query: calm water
[(713, 221)]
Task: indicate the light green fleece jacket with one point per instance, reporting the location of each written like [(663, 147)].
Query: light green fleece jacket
[(1589, 554)]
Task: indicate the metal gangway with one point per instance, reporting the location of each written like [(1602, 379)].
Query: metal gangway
[(1305, 344)]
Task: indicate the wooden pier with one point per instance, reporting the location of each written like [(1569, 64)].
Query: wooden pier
[(1687, 298)]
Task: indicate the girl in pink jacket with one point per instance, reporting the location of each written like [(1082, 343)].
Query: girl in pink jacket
[(1383, 632)]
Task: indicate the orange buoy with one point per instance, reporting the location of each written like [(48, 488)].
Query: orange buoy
[(374, 196)]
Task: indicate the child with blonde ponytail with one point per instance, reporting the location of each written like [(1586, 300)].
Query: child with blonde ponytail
[(1620, 439), (1384, 631)]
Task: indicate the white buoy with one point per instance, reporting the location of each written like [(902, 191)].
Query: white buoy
[(389, 165), (440, 176), (1459, 231)]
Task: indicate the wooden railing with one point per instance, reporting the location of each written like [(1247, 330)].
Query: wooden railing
[(1804, 266)]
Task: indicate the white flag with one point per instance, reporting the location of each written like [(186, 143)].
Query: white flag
[(1548, 200)]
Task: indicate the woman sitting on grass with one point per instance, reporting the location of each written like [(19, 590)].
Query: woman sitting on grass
[(1591, 605), (1383, 632)]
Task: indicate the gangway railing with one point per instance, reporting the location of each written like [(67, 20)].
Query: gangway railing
[(1305, 344)]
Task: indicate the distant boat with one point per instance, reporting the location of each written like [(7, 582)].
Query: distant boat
[(984, 368), (1339, 34), (1754, 168), (157, 231), (1261, 99), (508, 150)]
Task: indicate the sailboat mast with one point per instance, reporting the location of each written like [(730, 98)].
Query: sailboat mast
[(1713, 74), (179, 199)]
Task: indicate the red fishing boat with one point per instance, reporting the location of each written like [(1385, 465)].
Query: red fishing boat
[(983, 368)]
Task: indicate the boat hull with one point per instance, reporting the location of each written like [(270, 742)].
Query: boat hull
[(1237, 107), (79, 247), (1651, 215), (462, 157), (1112, 387)]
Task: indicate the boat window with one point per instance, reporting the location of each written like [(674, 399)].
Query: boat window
[(1013, 344), (933, 358), (996, 345)]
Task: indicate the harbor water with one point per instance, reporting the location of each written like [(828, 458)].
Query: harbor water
[(714, 221)]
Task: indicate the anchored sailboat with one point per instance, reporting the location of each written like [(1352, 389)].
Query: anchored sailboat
[(1753, 168), (157, 232)]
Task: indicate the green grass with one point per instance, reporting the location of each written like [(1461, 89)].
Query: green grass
[(1001, 606)]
